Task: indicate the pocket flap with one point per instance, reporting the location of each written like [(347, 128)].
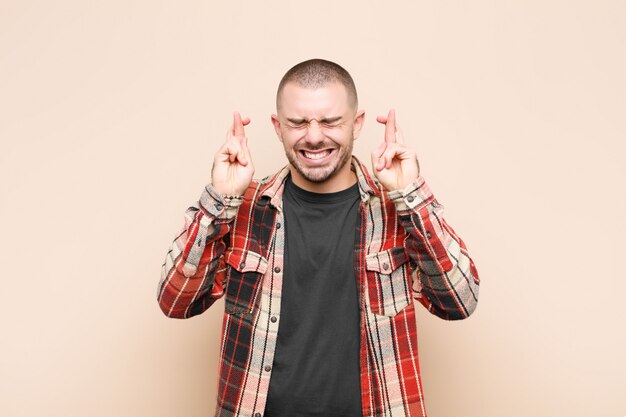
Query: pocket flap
[(245, 260), (387, 260)]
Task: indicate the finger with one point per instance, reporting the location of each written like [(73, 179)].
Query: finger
[(391, 152), (235, 152), (381, 119), (377, 163), (376, 155), (243, 138), (388, 158), (232, 149), (390, 127), (237, 124), (399, 135), (244, 157), (378, 151), (380, 165)]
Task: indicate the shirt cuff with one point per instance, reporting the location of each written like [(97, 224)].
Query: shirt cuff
[(413, 195), (217, 206)]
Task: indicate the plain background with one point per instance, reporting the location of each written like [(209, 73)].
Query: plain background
[(110, 113)]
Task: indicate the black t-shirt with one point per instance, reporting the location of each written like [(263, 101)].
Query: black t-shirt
[(316, 363)]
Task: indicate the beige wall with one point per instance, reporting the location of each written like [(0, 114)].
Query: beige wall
[(110, 113)]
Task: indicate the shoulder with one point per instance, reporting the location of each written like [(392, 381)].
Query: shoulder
[(257, 187), (253, 189)]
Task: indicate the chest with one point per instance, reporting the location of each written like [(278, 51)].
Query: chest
[(255, 257)]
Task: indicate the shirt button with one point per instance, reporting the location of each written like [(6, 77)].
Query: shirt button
[(257, 415), (218, 206), (242, 265), (268, 368), (273, 319), (277, 269), (278, 225), (428, 235), (410, 199), (385, 266)]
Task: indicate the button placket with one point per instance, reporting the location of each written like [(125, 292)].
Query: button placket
[(273, 310)]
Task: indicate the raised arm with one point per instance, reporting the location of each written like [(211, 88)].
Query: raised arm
[(193, 274), (447, 281)]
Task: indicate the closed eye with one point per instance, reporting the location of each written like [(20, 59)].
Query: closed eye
[(332, 121), (297, 123), (329, 122)]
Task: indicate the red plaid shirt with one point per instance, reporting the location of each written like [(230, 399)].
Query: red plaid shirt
[(235, 247)]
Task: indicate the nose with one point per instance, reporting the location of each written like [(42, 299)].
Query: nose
[(314, 132)]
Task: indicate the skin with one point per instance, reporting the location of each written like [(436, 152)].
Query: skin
[(395, 165), (312, 122), (318, 122)]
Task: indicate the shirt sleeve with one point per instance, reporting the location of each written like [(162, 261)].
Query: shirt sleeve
[(193, 274), (447, 281)]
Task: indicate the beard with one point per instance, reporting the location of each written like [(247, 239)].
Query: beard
[(318, 175)]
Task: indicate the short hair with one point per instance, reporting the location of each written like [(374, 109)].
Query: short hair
[(315, 73)]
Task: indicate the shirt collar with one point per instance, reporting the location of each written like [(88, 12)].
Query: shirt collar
[(273, 186)]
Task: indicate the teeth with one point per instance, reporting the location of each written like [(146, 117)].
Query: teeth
[(317, 155)]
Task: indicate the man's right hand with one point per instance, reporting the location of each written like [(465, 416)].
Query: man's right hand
[(232, 167)]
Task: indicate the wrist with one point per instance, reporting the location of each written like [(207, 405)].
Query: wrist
[(231, 198), (412, 195), (219, 205), (226, 190)]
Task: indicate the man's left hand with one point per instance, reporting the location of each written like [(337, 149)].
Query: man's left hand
[(394, 164)]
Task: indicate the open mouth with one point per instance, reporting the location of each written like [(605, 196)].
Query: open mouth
[(316, 155)]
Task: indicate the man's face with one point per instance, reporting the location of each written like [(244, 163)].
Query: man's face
[(317, 128)]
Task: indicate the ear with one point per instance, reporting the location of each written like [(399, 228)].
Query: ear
[(276, 124), (359, 119)]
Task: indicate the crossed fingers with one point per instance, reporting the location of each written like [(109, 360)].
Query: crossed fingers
[(393, 143), (237, 143)]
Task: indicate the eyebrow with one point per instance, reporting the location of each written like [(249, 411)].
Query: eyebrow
[(324, 120)]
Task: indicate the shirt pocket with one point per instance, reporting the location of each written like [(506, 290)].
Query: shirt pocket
[(388, 281), (243, 287)]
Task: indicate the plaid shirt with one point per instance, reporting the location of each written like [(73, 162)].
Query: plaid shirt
[(235, 248)]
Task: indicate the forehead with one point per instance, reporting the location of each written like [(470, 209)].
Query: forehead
[(313, 102)]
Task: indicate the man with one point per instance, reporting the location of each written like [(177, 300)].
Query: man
[(319, 263)]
